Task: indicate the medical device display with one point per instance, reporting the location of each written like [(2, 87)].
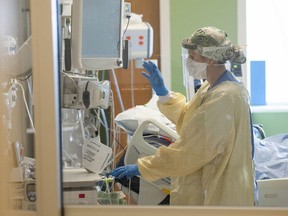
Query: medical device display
[(140, 38), (85, 92), (29, 202), (96, 40)]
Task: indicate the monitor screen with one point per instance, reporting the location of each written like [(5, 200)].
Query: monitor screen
[(97, 34), (101, 28)]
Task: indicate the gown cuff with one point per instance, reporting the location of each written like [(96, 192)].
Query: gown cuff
[(164, 99)]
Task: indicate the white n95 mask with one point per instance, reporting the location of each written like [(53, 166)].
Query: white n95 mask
[(196, 69)]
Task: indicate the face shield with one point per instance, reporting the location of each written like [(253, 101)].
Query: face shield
[(189, 82)]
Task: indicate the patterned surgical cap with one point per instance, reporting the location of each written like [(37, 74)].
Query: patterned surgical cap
[(214, 43)]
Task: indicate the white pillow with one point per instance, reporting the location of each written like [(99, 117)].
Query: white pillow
[(130, 119)]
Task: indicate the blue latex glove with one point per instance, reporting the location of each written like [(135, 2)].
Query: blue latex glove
[(155, 78), (129, 171)]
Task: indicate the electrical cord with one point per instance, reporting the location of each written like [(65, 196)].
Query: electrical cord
[(114, 158), (132, 83), (71, 159), (118, 90), (128, 17), (26, 76), (106, 125), (115, 131), (108, 191), (27, 109), (129, 191)]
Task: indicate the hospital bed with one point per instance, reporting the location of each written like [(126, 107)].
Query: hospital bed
[(271, 169), (143, 144)]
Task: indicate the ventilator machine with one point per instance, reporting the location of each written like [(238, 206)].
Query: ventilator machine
[(98, 37)]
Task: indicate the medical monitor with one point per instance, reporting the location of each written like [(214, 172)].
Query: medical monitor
[(97, 34)]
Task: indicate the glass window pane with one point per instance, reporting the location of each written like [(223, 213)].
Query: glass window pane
[(17, 123), (267, 41)]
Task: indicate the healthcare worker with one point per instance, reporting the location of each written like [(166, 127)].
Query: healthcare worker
[(211, 162)]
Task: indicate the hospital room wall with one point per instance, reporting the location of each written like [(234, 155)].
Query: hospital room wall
[(188, 15), (272, 122)]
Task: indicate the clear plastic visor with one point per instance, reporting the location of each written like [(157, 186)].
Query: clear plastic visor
[(188, 80)]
